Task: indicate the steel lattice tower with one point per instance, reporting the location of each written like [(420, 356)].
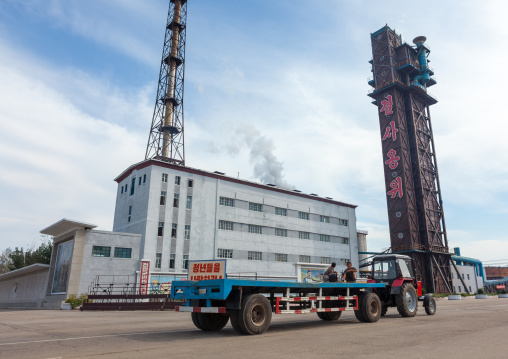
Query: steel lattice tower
[(166, 139), (401, 76)]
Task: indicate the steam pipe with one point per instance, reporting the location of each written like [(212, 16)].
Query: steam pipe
[(424, 75)]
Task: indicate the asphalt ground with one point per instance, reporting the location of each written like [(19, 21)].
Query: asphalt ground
[(460, 329)]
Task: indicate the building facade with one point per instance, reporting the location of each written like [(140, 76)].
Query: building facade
[(187, 214)]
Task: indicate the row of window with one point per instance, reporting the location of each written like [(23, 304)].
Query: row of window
[(176, 200), (462, 276), (258, 207), (172, 257), (174, 227), (141, 179), (103, 251), (460, 289), (190, 183), (279, 257), (229, 226)]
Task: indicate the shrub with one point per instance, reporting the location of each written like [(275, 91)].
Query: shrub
[(503, 291), (77, 301), (480, 291)]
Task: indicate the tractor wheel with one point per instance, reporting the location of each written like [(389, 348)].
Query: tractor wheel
[(430, 306), (407, 301), (213, 321), (370, 308), (255, 315), (195, 320), (384, 309)]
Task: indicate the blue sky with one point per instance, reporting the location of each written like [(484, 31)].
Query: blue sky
[(78, 82)]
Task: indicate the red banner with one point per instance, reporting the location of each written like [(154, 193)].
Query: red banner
[(500, 286), (144, 277)]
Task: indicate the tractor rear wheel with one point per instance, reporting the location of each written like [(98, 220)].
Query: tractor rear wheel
[(407, 301), (370, 308)]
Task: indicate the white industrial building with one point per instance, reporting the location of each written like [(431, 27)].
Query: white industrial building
[(189, 214)]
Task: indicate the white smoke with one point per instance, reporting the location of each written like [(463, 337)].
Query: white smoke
[(267, 168)]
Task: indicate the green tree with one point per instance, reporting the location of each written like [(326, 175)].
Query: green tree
[(19, 258), (4, 261)]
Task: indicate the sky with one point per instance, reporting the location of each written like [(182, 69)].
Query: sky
[(275, 90)]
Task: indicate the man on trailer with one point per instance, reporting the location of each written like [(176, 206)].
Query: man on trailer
[(330, 274), (349, 274)]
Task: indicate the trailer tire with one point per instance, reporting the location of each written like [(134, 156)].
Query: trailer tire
[(371, 308), (384, 309), (430, 306), (195, 320), (407, 301), (358, 313), (211, 322), (255, 315), (235, 321), (329, 316)]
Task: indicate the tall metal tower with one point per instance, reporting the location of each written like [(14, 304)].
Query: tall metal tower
[(166, 139), (401, 76)]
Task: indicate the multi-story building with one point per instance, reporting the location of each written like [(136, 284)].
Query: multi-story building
[(189, 214)]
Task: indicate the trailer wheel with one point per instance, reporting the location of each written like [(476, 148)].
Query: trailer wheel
[(384, 309), (255, 315), (212, 321), (195, 320), (371, 308), (235, 321), (430, 305), (407, 301), (329, 315), (358, 313)]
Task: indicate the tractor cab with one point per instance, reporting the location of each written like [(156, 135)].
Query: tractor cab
[(390, 267)]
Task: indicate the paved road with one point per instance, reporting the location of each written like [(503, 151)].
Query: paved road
[(460, 329)]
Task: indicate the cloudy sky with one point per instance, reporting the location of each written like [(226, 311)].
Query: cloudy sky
[(280, 82)]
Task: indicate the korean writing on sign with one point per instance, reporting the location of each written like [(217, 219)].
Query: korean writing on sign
[(387, 105), (393, 159), (144, 277), (396, 186), (391, 131), (205, 270)]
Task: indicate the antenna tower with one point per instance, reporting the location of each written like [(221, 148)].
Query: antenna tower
[(166, 140)]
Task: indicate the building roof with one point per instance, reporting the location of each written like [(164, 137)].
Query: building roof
[(25, 270), (221, 176), (65, 225)]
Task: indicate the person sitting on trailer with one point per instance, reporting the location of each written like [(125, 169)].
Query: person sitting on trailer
[(330, 274), (349, 273)]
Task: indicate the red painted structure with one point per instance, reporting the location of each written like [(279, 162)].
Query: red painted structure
[(400, 80)]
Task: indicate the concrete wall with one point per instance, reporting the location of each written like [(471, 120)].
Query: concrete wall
[(206, 212), (24, 289), (472, 280)]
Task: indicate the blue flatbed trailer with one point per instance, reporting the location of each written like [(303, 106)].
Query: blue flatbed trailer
[(249, 304)]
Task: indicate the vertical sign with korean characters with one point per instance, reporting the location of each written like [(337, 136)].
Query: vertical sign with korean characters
[(144, 277), (206, 270)]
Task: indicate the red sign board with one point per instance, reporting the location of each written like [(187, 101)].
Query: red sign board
[(144, 277), (500, 286), (205, 270)]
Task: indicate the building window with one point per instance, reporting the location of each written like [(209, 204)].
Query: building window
[(158, 260), (281, 211), (190, 183), (460, 289), (172, 261), (454, 289), (224, 253), (254, 256), (163, 198), (229, 202), (304, 235), (280, 257), (130, 213), (255, 229), (164, 177), (133, 184), (101, 251), (228, 226), (160, 229), (122, 190), (123, 252), (468, 276), (462, 275), (257, 207), (324, 219), (175, 200), (173, 230), (304, 259), (187, 232), (185, 263), (281, 232), (342, 222), (470, 289), (189, 202), (343, 261), (303, 215), (144, 178), (125, 188), (344, 240), (139, 182), (452, 278), (325, 260), (177, 180), (324, 238)]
